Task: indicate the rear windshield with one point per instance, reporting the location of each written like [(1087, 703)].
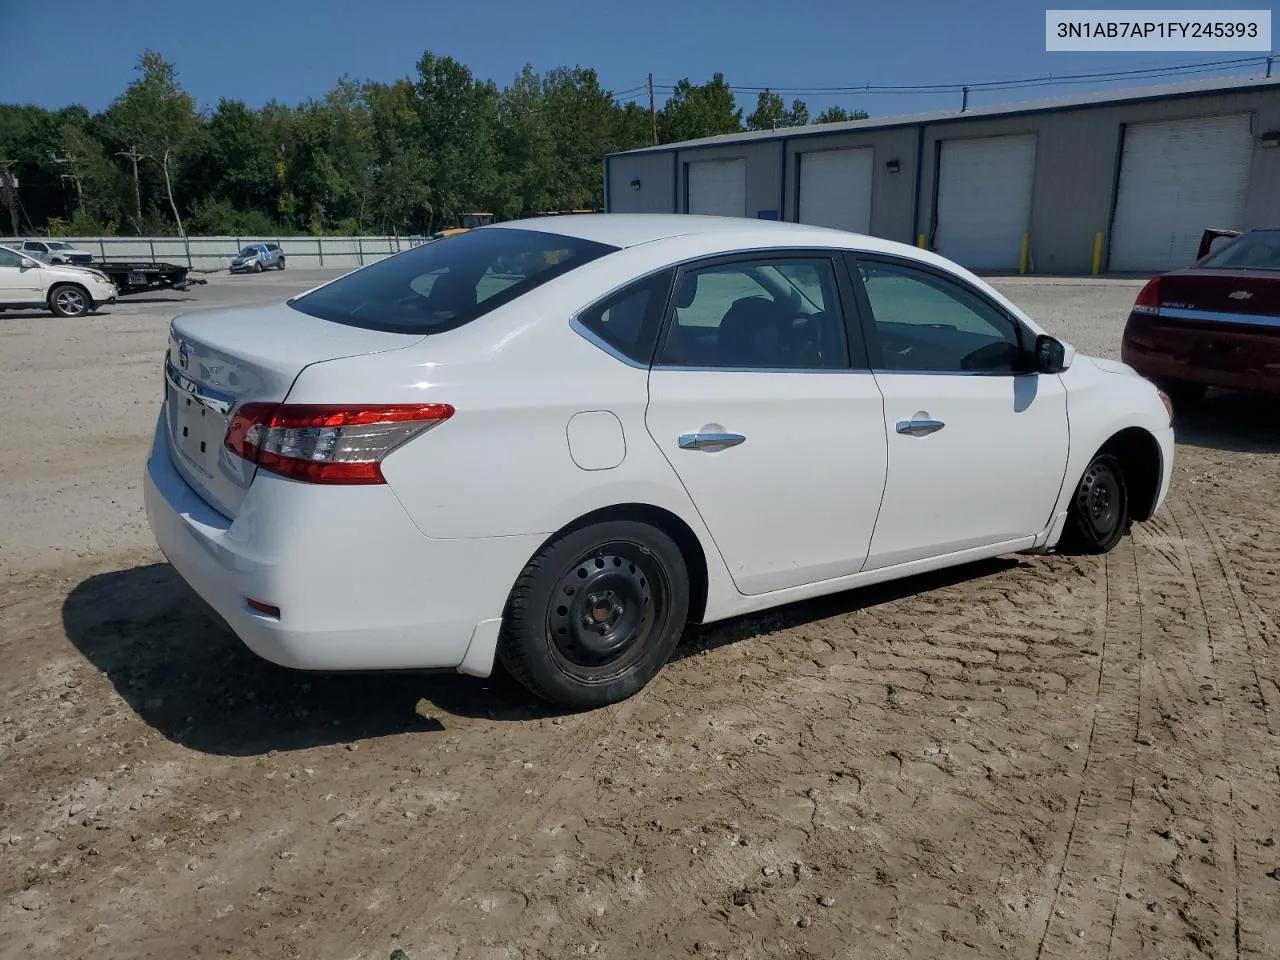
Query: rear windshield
[(449, 282), (1259, 250)]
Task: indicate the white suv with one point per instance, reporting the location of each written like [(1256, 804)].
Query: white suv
[(26, 283)]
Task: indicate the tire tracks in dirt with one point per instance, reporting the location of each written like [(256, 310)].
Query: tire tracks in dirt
[(1081, 917)]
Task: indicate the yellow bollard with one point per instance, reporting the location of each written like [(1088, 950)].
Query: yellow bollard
[(1097, 253), (920, 241), (1022, 254)]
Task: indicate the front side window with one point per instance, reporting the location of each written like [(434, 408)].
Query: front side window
[(9, 259), (926, 323), (1259, 250), (32, 245), (760, 314), (439, 286)]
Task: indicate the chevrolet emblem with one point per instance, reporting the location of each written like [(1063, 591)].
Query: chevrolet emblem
[(1240, 295)]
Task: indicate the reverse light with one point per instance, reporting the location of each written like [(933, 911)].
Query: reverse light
[(324, 443), (1148, 300)]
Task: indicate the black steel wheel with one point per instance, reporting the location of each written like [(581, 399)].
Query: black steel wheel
[(68, 300), (596, 614), (1099, 513)]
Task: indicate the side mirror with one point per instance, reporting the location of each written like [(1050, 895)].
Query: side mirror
[(1050, 355), (28, 264)]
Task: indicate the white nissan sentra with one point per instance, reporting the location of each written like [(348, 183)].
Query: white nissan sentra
[(553, 443)]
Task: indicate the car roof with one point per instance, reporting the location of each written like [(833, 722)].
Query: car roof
[(631, 229)]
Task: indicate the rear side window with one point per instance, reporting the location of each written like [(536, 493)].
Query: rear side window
[(627, 321), (446, 283)]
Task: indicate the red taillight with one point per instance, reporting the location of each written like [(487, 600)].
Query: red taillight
[(321, 443), (1148, 297)]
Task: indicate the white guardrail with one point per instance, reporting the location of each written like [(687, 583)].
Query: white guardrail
[(215, 253)]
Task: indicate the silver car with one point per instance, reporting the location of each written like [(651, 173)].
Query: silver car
[(256, 257), (56, 252)]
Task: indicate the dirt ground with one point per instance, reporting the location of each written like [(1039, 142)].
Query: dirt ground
[(1035, 757)]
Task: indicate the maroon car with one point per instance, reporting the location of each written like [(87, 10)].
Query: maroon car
[(1215, 323)]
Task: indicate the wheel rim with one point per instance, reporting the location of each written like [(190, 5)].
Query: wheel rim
[(604, 609), (1099, 499), (70, 301)]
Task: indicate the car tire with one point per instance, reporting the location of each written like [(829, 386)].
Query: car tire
[(596, 614), (1098, 516), (257, 267), (280, 265), (68, 300), (1183, 394)]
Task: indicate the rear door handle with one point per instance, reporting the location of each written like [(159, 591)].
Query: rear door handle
[(710, 441), (919, 428)]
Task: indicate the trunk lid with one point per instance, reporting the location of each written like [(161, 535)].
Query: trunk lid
[(219, 359), (1207, 294)]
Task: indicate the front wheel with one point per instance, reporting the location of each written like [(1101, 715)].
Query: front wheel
[(66, 300), (257, 267), (1098, 516), (596, 614)]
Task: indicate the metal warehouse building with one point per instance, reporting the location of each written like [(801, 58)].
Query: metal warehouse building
[(1119, 183)]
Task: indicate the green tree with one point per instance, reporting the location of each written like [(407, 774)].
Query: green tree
[(837, 114), (459, 115), (693, 111), (400, 193), (770, 113), (157, 119)]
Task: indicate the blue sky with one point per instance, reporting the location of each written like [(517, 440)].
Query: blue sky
[(293, 49)]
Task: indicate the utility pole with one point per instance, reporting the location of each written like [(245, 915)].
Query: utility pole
[(72, 176), (1270, 60), (964, 102), (653, 114), (133, 155), (9, 187)]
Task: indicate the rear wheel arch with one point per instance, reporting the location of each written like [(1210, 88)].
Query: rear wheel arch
[(1143, 464), (672, 525)]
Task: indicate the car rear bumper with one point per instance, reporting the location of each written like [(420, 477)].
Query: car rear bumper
[(1234, 356), (357, 585)]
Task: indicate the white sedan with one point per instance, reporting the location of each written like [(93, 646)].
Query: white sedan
[(554, 443)]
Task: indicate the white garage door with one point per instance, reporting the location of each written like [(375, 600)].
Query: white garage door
[(718, 188), (835, 189), (984, 200), (1176, 179)]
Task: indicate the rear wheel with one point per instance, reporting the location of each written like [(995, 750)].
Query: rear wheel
[(596, 614), (1098, 516), (280, 265), (68, 300)]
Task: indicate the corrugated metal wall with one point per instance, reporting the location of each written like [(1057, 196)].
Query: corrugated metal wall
[(1077, 161)]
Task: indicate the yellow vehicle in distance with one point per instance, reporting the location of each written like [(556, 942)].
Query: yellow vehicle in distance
[(466, 221)]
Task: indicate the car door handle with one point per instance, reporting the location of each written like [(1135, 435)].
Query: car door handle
[(710, 441), (919, 428)]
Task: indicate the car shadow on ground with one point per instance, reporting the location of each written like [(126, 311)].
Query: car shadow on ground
[(192, 681), (1236, 422)]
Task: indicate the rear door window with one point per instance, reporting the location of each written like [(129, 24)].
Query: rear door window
[(450, 282)]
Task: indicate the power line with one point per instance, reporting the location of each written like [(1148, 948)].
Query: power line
[(1010, 83)]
